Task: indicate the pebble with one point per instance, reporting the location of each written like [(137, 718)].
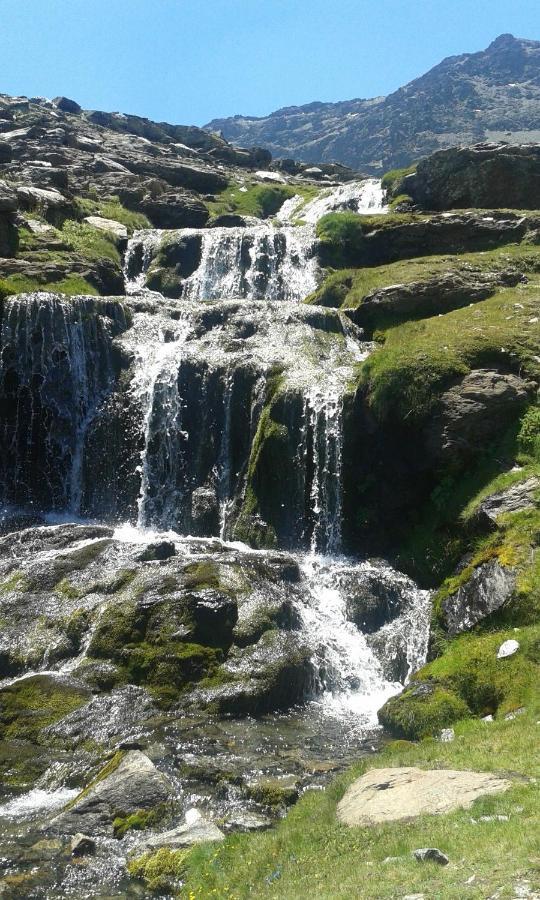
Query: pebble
[(507, 648)]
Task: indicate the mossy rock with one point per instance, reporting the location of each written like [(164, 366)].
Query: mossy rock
[(31, 704), (422, 710), (161, 870), (468, 679)]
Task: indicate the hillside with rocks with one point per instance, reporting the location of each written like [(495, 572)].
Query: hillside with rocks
[(492, 95), (270, 517)]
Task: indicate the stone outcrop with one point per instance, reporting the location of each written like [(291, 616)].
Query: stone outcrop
[(488, 176), (487, 590), (134, 784), (393, 795), (483, 403)]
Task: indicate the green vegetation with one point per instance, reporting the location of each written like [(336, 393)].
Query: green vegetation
[(261, 200), (113, 209), (393, 181), (420, 359), (141, 820), (20, 284), (309, 854), (467, 679), (161, 870), (347, 288), (91, 242)]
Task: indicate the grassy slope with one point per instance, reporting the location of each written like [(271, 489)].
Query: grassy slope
[(311, 855)]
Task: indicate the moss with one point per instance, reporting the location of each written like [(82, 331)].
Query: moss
[(261, 200), (71, 285), (161, 870), (141, 820), (416, 713), (393, 181), (17, 581), (32, 704), (421, 359), (272, 792)]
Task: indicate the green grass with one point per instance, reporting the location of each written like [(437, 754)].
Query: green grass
[(261, 200), (91, 242), (392, 181), (420, 359), (113, 209), (347, 288), (309, 854), (20, 284)]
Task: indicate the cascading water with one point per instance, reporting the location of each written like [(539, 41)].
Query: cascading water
[(364, 197), (352, 673), (253, 262)]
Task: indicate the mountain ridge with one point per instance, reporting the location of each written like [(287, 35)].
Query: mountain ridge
[(492, 94)]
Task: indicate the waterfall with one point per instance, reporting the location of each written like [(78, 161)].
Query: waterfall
[(352, 669), (364, 197), (260, 262), (158, 351), (323, 432)]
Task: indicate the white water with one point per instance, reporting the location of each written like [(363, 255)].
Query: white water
[(351, 677), (36, 801), (265, 261), (364, 197), (155, 388)]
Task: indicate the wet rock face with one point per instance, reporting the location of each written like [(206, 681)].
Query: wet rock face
[(487, 590), (504, 176), (475, 410), (56, 368)]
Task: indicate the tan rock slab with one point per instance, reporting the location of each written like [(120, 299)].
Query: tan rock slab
[(389, 795)]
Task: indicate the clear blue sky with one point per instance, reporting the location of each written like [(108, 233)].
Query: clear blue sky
[(188, 61)]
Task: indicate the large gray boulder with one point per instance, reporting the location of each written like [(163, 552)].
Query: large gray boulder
[(135, 784), (488, 175)]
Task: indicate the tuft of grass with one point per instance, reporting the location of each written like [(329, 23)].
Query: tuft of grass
[(261, 200)]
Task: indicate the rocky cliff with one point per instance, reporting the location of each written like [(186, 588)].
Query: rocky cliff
[(490, 95)]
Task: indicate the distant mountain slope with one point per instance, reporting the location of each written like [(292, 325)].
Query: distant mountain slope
[(490, 95)]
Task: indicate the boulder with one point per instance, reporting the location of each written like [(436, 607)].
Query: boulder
[(200, 831), (394, 794), (118, 231), (431, 854), (432, 296), (512, 499), (8, 198), (175, 209), (487, 590), (82, 845), (488, 175), (6, 153), (50, 202), (64, 104), (373, 601), (474, 411), (128, 784)]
